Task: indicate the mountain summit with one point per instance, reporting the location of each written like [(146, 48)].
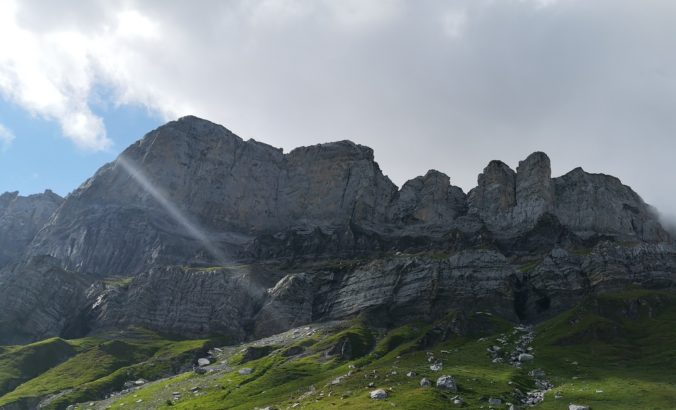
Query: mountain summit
[(194, 231)]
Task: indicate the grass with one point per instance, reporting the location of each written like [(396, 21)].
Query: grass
[(87, 369), (358, 337), (530, 266), (608, 359), (615, 351), (118, 281), (22, 363), (281, 381)]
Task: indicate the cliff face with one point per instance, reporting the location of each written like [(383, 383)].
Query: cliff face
[(231, 190), (242, 302), (21, 217), (39, 299), (191, 193), (186, 302), (587, 204), (244, 196)]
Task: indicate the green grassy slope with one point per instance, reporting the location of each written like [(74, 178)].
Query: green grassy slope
[(87, 369), (21, 363), (612, 352)]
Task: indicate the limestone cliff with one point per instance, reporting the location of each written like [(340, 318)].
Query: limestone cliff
[(21, 217), (194, 231)]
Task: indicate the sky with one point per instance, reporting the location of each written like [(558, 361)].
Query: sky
[(448, 85)]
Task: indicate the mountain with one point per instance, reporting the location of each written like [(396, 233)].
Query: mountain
[(21, 217), (251, 199), (193, 231), (308, 279)]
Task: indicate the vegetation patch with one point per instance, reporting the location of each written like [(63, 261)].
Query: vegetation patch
[(611, 352), (22, 363), (90, 368)]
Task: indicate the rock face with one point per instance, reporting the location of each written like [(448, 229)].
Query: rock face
[(592, 204), (289, 304), (429, 199), (534, 188), (182, 301), (494, 198), (205, 233), (39, 300), (231, 190), (390, 290), (192, 186), (419, 287), (21, 217), (587, 204)]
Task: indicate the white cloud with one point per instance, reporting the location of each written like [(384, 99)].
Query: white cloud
[(6, 137), (545, 3), (364, 13), (52, 76), (453, 23), (131, 25), (427, 84)]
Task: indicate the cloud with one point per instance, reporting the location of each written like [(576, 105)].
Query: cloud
[(454, 23), (6, 137), (427, 84), (51, 75), (669, 223)]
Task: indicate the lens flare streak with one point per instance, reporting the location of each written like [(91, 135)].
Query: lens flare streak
[(192, 228)]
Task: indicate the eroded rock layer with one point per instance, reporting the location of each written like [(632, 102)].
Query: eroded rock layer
[(194, 231)]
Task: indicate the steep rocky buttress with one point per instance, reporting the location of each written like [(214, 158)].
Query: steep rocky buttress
[(194, 231), (21, 217)]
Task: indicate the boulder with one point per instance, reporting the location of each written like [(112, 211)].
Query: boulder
[(526, 357), (378, 394), (447, 383)]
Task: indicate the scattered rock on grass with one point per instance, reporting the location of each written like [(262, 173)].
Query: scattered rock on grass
[(447, 383), (338, 380), (378, 394), (526, 357)]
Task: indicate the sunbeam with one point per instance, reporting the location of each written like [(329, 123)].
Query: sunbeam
[(174, 212)]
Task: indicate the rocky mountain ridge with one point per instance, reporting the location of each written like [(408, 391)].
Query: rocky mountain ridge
[(244, 192), (194, 231), (21, 217)]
